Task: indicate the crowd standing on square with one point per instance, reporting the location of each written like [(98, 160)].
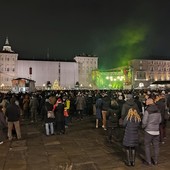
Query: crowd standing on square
[(131, 110)]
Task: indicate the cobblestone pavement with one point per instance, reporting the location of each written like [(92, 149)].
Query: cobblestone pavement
[(82, 148)]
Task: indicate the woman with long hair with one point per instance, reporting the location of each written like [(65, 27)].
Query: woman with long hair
[(131, 136)]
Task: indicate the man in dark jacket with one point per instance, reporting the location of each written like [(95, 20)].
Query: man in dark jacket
[(13, 115), (106, 102), (150, 123), (160, 102)]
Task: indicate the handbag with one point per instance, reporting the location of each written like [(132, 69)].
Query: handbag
[(50, 114)]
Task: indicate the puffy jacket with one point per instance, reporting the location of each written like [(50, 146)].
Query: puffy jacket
[(131, 136), (151, 118)]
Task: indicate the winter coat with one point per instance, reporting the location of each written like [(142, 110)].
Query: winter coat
[(99, 108), (126, 106), (48, 107), (106, 103), (12, 112), (120, 103), (59, 112), (162, 107), (34, 104), (80, 103), (3, 122), (151, 118), (131, 136)]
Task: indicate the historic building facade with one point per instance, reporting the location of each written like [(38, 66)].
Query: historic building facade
[(8, 63), (67, 74), (145, 72), (86, 64), (139, 73)]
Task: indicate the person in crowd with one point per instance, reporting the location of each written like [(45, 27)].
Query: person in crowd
[(127, 105), (80, 105), (120, 102), (106, 102), (3, 125), (139, 104), (72, 110), (42, 106), (13, 116), (26, 102), (59, 116), (89, 104), (5, 102), (131, 137), (160, 102), (66, 101), (34, 104), (112, 118), (98, 109), (49, 117), (150, 123)]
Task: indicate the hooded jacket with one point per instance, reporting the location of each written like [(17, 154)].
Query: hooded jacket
[(128, 105)]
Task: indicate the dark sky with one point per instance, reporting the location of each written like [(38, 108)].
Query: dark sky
[(114, 30)]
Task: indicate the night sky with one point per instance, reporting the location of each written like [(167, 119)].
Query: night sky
[(114, 30)]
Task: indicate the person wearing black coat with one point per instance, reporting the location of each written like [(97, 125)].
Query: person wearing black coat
[(161, 104), (13, 116), (131, 137), (106, 102), (3, 125), (59, 117), (49, 118)]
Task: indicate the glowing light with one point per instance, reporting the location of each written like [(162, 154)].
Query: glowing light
[(141, 85)]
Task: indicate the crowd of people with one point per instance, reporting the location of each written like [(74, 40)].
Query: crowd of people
[(112, 109)]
